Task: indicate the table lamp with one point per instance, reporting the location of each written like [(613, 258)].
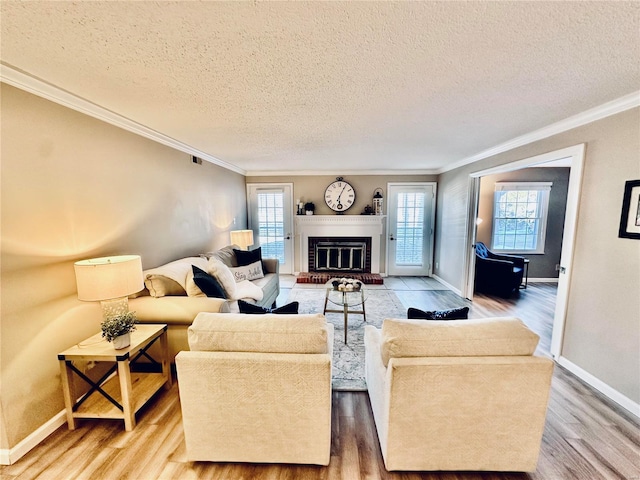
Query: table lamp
[(242, 238), (109, 280)]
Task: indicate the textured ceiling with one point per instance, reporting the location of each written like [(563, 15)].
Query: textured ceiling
[(332, 86)]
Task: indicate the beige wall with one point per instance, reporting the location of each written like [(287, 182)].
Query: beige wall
[(602, 332), (72, 188), (311, 189)]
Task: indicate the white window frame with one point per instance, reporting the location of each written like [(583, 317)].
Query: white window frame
[(542, 209), (253, 191)]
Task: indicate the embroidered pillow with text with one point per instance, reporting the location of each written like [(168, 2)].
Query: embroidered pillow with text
[(248, 272)]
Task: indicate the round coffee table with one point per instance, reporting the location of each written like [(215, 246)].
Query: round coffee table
[(347, 299)]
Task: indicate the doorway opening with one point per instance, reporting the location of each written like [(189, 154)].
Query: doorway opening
[(573, 156)]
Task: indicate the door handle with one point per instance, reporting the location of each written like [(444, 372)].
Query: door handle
[(391, 238), (288, 237)]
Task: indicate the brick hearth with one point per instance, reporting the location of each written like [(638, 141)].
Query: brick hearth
[(313, 277)]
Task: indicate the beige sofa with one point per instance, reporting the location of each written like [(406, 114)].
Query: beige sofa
[(457, 394), (171, 296), (257, 388)]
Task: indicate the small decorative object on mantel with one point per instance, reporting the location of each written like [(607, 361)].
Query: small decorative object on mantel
[(377, 201), (299, 207), (309, 208), (347, 285), (368, 210), (117, 329), (630, 216)]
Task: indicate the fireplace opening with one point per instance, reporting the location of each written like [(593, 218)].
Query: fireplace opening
[(340, 254)]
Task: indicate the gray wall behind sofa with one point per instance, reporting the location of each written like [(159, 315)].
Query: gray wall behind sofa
[(73, 187)]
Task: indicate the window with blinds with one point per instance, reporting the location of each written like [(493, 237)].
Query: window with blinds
[(271, 224), (410, 228), (520, 216)]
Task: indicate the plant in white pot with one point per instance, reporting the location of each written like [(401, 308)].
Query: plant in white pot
[(309, 208), (117, 329)]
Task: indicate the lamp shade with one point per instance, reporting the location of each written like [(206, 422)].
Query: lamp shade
[(242, 238), (108, 277)]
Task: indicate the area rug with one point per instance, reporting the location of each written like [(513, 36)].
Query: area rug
[(348, 360)]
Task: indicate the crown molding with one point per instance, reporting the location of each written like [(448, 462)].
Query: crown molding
[(41, 88), (333, 172), (613, 107), (36, 86)]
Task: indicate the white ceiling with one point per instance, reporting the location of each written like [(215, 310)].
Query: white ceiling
[(332, 86)]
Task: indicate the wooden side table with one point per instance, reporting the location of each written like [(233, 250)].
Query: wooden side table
[(114, 396)]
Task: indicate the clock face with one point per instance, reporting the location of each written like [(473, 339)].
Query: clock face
[(339, 195)]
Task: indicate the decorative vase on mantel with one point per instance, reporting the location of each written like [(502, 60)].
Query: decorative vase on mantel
[(122, 341), (309, 208)]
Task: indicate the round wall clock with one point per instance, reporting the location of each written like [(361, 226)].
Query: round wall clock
[(339, 195)]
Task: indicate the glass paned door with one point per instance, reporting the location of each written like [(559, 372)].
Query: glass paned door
[(410, 232), (270, 218)]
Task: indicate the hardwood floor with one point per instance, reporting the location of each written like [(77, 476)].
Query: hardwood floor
[(534, 305), (586, 436)]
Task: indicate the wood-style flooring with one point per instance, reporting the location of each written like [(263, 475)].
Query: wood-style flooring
[(586, 436)]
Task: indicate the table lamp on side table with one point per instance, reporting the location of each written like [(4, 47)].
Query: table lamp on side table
[(109, 280), (242, 238)]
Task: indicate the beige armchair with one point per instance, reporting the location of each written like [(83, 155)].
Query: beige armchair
[(457, 394), (257, 388)]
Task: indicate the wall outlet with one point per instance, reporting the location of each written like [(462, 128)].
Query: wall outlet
[(437, 265)]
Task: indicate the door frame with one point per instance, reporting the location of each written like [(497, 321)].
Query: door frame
[(577, 155), (286, 205), (432, 224)]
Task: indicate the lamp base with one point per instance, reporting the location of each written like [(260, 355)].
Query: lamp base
[(114, 307)]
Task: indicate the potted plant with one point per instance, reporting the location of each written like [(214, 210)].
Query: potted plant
[(117, 329), (309, 208)]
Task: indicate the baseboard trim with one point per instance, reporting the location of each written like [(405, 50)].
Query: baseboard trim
[(542, 280), (608, 391), (448, 285), (11, 456)]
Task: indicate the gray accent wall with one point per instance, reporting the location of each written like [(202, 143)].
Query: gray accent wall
[(540, 265), (73, 187), (602, 329)]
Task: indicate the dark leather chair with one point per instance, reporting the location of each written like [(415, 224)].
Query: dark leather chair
[(497, 274)]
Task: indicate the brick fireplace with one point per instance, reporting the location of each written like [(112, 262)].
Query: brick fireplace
[(340, 254), (339, 229)]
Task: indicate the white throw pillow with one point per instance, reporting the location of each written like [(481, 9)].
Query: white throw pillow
[(246, 289), (248, 272), (176, 271), (222, 273), (192, 289)]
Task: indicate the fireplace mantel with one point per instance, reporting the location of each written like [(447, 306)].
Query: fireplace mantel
[(339, 226)]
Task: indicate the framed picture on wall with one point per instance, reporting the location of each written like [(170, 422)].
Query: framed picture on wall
[(630, 218)]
